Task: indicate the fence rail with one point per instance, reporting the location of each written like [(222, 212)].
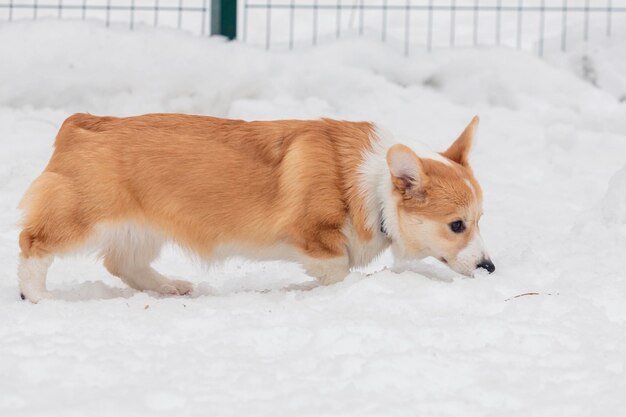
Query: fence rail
[(435, 7)]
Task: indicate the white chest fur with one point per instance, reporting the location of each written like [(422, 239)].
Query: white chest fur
[(360, 252)]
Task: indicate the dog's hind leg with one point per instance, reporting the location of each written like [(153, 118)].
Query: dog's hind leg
[(53, 224), (32, 272), (128, 251)]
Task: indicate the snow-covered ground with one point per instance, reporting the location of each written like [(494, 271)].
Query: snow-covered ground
[(543, 336)]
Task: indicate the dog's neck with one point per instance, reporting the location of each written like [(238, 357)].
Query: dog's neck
[(376, 186), (382, 225)]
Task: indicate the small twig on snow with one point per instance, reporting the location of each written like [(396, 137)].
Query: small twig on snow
[(530, 293)]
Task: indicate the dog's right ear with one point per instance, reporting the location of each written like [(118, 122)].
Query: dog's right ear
[(460, 149), (407, 172)]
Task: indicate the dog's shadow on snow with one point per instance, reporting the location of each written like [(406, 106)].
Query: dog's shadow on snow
[(98, 290), (432, 272), (205, 289), (91, 290)]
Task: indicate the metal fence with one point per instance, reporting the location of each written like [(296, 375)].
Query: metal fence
[(427, 24), (190, 15), (405, 24)]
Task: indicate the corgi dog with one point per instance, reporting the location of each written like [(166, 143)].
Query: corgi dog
[(330, 195)]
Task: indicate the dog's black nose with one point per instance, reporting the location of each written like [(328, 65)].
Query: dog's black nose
[(487, 264)]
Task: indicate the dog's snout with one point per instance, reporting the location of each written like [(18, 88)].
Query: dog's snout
[(487, 264)]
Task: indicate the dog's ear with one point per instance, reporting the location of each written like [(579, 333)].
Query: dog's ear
[(460, 149), (407, 172)]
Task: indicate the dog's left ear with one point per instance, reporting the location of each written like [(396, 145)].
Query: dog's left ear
[(460, 149), (407, 172)]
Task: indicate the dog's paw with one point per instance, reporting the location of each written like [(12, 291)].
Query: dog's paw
[(36, 296), (176, 287)]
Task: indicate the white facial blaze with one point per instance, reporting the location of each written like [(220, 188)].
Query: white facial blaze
[(470, 256)]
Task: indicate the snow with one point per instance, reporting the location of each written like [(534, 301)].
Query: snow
[(543, 336), (614, 202)]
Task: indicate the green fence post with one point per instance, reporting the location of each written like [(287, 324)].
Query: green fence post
[(224, 18)]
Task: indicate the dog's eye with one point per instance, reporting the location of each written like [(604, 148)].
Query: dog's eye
[(457, 226)]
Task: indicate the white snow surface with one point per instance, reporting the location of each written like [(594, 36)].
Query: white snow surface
[(545, 335)]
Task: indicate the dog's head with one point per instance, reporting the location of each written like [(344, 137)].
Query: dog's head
[(438, 204)]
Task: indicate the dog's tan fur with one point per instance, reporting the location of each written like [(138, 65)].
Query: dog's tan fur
[(204, 182), (201, 180)]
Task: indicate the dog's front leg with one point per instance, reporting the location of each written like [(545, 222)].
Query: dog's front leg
[(328, 271)]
